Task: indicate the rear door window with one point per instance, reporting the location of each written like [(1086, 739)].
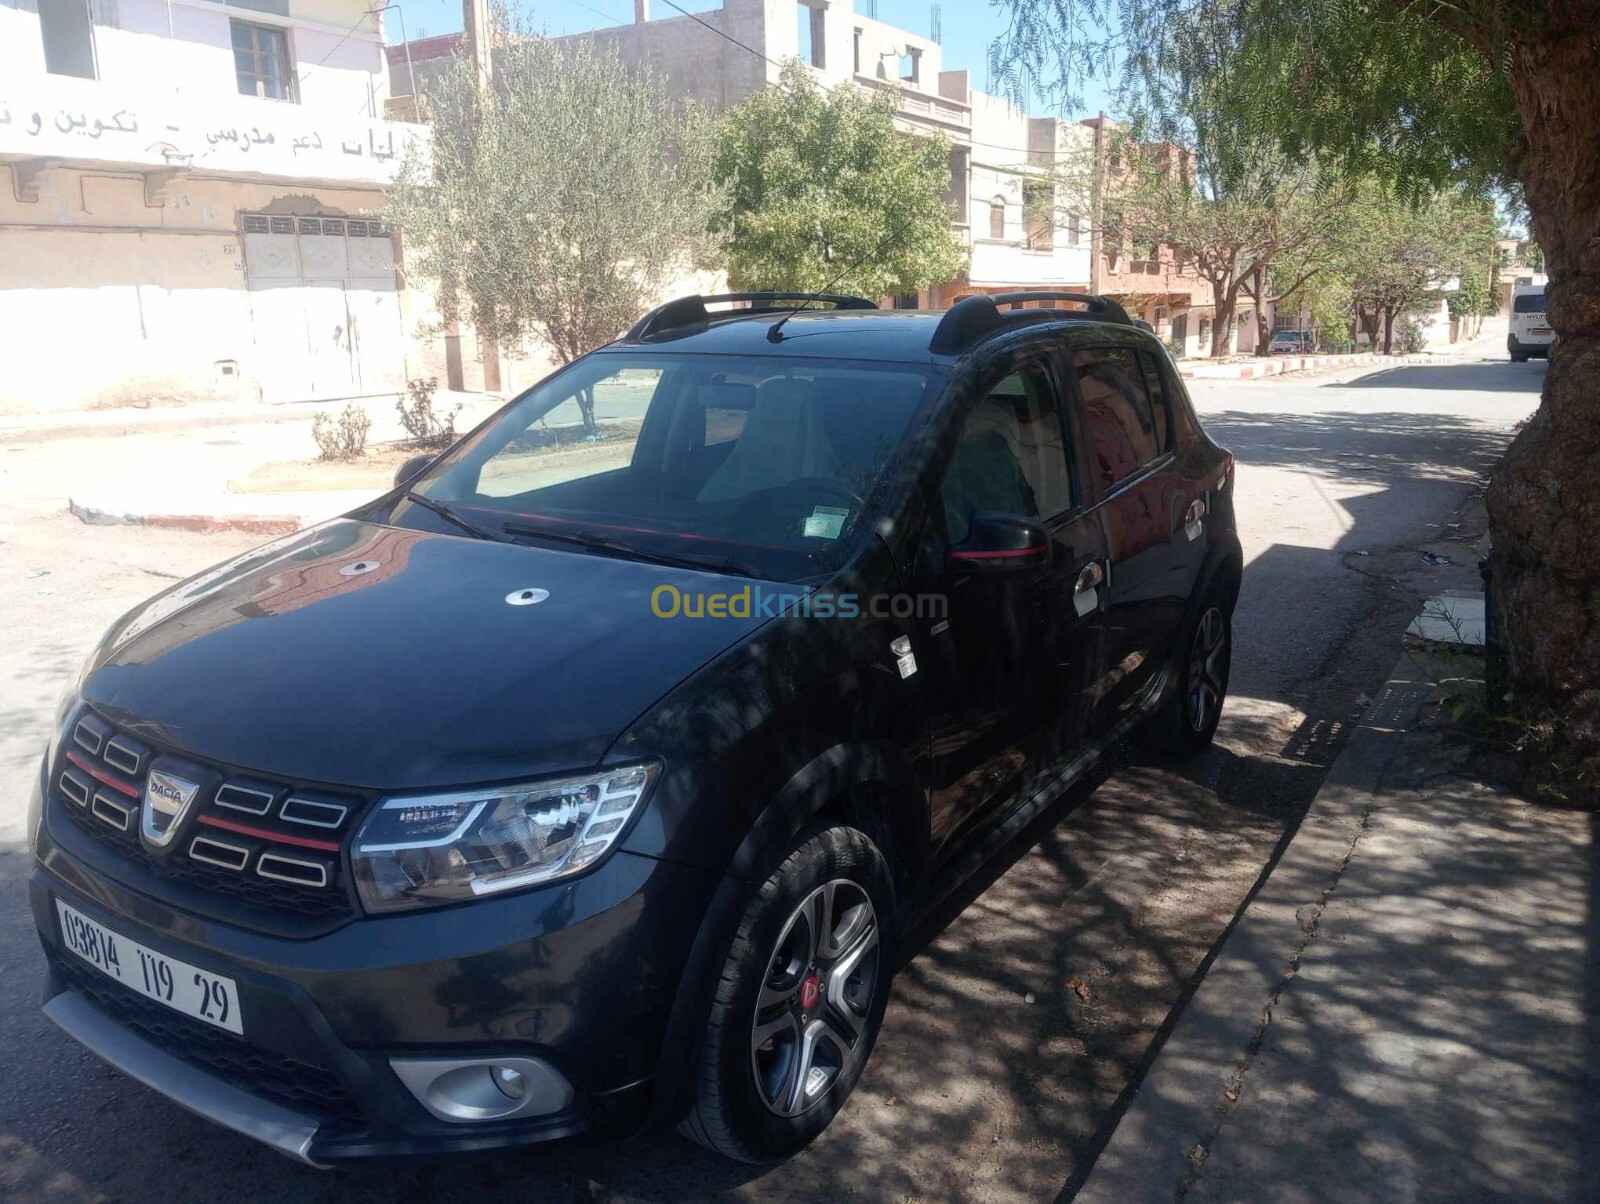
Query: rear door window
[(1119, 417)]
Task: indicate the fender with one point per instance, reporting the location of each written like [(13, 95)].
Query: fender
[(833, 774), (1224, 554)]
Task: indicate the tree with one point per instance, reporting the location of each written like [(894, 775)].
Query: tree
[(559, 202), (1424, 94), (1406, 251), (824, 192)]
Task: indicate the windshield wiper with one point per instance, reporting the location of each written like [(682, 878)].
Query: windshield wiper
[(591, 539), (450, 516)]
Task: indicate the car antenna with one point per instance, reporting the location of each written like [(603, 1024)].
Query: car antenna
[(775, 331)]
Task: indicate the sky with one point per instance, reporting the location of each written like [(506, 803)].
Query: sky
[(968, 28)]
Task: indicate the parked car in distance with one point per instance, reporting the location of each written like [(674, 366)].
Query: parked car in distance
[(1530, 329), (511, 806), (1292, 342)]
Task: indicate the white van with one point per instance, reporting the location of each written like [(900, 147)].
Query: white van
[(1530, 329)]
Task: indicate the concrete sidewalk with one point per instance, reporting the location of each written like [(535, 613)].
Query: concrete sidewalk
[(1491, 340), (1409, 1009)]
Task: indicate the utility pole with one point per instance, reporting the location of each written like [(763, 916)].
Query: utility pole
[(475, 24), (1096, 203)]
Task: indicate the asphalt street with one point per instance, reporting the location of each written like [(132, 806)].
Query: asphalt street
[(1027, 1009)]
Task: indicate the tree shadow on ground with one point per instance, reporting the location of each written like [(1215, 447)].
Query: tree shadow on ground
[(1105, 911)]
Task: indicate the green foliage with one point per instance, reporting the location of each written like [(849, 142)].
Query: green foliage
[(344, 438), (425, 425), (823, 192), (1417, 94), (560, 202)]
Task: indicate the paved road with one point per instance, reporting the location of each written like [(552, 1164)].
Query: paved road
[(1105, 912)]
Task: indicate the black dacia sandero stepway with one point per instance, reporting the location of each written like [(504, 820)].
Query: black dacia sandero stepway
[(583, 782)]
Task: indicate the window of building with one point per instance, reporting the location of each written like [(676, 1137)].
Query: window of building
[(1011, 456), (906, 301), (1118, 413), (960, 194), (67, 32), (911, 65), (856, 67), (1074, 229), (997, 218), (261, 61), (1039, 215), (813, 39)]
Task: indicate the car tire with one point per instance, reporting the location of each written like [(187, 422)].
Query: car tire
[(799, 1002), (1187, 721), (1519, 357)]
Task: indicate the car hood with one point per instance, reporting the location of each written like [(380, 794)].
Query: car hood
[(372, 656)]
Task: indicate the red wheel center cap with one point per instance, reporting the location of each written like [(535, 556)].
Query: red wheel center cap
[(809, 991)]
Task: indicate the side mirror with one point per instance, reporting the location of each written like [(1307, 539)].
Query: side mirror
[(998, 544), (412, 468)]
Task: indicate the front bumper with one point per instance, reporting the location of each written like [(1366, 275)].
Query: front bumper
[(579, 975)]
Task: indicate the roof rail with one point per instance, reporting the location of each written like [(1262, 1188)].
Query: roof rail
[(691, 311), (969, 319)]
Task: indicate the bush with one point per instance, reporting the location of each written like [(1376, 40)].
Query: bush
[(425, 425), (1411, 337), (344, 438), (1175, 346)]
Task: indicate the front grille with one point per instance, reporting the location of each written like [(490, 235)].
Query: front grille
[(302, 1086), (275, 847)]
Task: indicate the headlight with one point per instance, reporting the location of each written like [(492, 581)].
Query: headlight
[(419, 850)]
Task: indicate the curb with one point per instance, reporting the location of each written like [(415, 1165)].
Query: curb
[(1194, 1077), (1307, 363), (204, 524)]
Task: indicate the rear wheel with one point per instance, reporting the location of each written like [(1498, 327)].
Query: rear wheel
[(1187, 721), (800, 1000), (1519, 357)]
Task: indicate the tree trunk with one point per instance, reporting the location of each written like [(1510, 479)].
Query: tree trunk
[(586, 408), (1263, 335), (1544, 498), (1388, 332), (1222, 327)]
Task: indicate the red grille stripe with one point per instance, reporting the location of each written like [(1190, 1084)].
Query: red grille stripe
[(305, 842), (102, 776)]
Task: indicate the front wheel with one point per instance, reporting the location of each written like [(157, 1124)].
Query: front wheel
[(1187, 721), (800, 1000)]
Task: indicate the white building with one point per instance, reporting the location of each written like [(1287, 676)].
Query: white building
[(191, 199), (1000, 161)]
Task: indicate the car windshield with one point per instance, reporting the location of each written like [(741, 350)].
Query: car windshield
[(1529, 303), (763, 463)]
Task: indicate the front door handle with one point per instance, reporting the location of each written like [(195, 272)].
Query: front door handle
[(1085, 591)]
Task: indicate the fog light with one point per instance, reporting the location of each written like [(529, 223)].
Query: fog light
[(461, 1089), (510, 1081)]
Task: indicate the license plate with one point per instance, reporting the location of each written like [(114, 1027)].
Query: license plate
[(182, 987)]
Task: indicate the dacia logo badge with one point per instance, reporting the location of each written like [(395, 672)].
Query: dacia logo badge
[(167, 799)]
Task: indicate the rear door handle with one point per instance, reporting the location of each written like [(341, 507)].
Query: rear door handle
[(1192, 524), (1085, 591)]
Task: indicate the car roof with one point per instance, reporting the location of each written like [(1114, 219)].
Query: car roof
[(885, 335)]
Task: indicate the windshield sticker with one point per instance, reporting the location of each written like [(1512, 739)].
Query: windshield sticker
[(826, 522)]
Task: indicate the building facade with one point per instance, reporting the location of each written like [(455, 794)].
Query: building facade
[(191, 202), (1003, 163)]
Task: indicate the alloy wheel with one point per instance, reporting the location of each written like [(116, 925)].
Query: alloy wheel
[(1208, 669), (811, 1015)]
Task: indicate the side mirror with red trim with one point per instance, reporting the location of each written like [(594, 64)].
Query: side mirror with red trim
[(997, 544)]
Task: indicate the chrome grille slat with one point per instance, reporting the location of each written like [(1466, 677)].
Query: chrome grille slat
[(219, 853), (75, 790), (108, 810), (86, 738), (312, 812), (249, 799), (121, 755), (292, 869)]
